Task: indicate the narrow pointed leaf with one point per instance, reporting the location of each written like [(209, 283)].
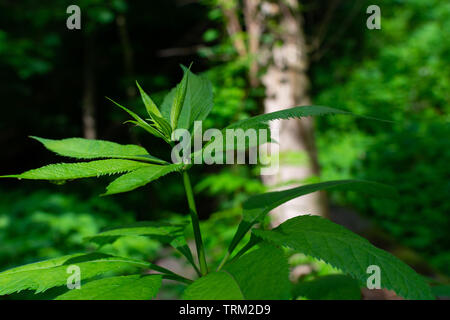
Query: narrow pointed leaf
[(150, 129), (80, 148), (140, 177), (134, 287), (341, 248), (139, 121), (69, 171), (150, 106), (295, 112), (258, 206), (178, 101)]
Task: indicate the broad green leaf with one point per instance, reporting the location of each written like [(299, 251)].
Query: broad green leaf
[(69, 171), (150, 106), (140, 177), (80, 148), (134, 287), (261, 274), (162, 231), (178, 100), (258, 206), (329, 287), (341, 248), (197, 103), (167, 103), (214, 286), (295, 112), (51, 273)]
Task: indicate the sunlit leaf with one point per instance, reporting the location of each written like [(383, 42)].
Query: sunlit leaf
[(80, 148), (69, 171)]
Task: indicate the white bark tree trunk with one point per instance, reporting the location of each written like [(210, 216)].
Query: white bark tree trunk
[(286, 82)]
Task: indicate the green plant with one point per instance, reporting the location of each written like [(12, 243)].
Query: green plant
[(259, 270)]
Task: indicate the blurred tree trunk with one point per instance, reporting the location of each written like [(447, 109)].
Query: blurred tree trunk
[(88, 107), (287, 84)]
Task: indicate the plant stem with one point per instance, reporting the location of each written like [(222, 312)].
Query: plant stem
[(224, 260), (253, 241), (195, 224)]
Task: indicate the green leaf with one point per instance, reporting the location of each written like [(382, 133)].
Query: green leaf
[(214, 286), (51, 273), (152, 130), (329, 287), (295, 112), (441, 290), (178, 100), (140, 122), (261, 274), (139, 178), (162, 231), (69, 171), (80, 148), (197, 103), (180, 244), (258, 206), (323, 239), (154, 113), (150, 106), (134, 287)]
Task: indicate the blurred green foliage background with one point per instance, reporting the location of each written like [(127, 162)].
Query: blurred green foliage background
[(401, 72)]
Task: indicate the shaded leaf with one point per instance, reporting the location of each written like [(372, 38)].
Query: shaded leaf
[(134, 287), (214, 286), (162, 231), (323, 239), (261, 274), (258, 206), (441, 290), (329, 287)]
